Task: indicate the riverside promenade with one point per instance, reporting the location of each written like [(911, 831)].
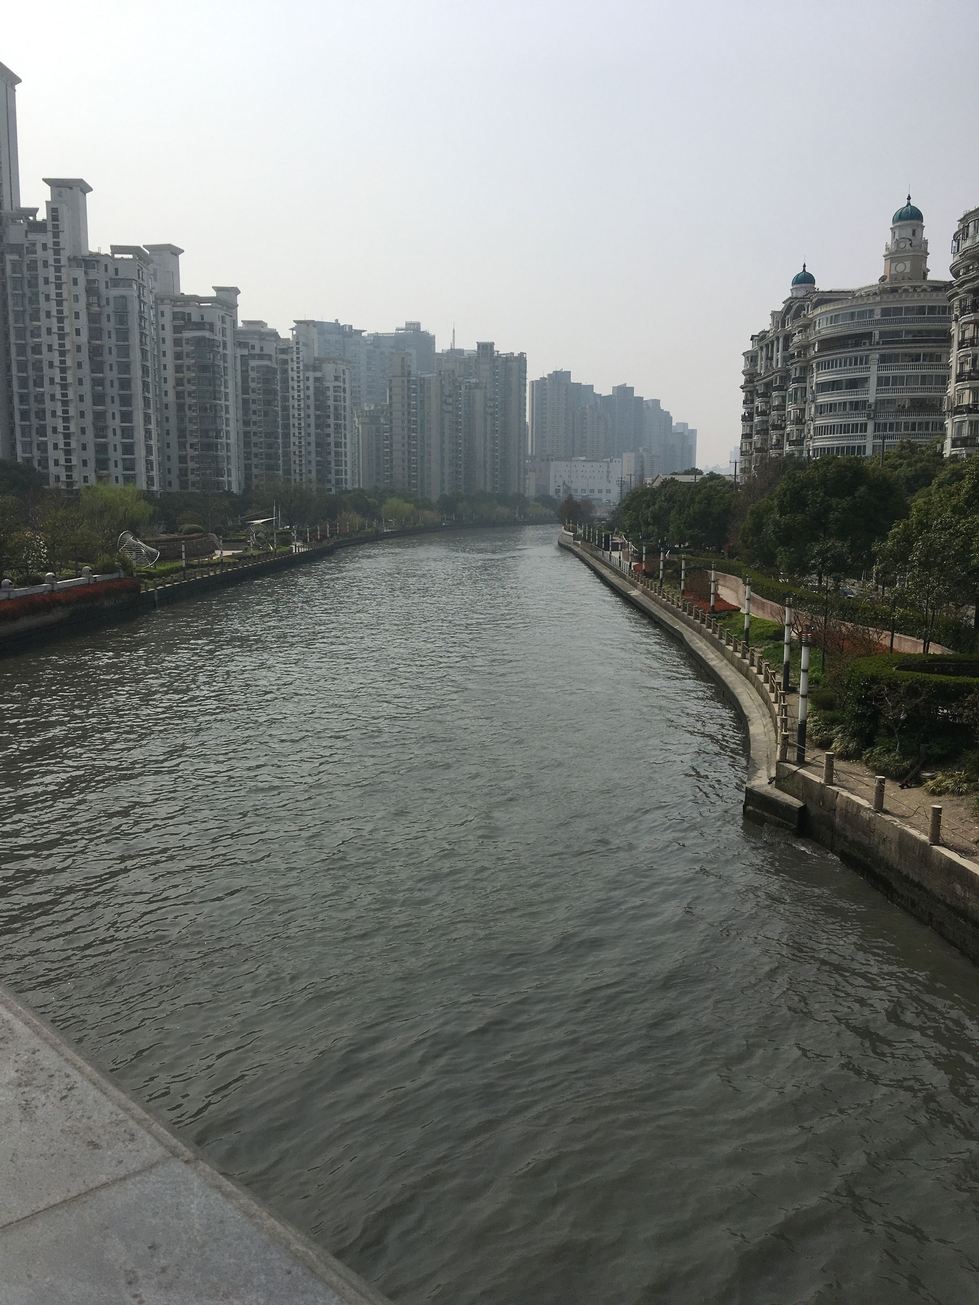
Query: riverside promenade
[(101, 1205), (893, 843)]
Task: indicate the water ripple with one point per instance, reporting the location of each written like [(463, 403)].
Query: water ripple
[(412, 886)]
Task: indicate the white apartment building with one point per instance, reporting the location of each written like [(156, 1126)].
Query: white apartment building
[(852, 372), (373, 355), (78, 340), (567, 419), (459, 430), (962, 417), (9, 167), (324, 443), (264, 360), (200, 414)]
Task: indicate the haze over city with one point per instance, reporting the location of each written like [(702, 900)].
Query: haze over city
[(624, 191)]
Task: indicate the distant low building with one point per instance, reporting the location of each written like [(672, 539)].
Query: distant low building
[(603, 481)]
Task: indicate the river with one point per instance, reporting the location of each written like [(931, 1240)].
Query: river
[(412, 886)]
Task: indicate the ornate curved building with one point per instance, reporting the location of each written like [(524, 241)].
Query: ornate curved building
[(962, 430), (852, 371)]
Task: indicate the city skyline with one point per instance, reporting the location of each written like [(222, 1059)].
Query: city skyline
[(563, 188)]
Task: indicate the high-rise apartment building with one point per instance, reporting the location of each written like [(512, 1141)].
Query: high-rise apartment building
[(200, 414), (567, 419), (79, 348), (852, 371), (626, 419), (264, 360), (459, 430), (373, 356), (962, 417), (324, 446), (9, 166)]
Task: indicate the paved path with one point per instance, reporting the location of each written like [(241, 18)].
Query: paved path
[(100, 1205), (912, 806)]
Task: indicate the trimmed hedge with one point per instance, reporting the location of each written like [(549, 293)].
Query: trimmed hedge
[(915, 700)]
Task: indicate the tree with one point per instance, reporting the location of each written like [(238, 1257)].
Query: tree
[(20, 480), (936, 548), (107, 510), (13, 523), (69, 539), (825, 517), (575, 509), (914, 465), (701, 517)]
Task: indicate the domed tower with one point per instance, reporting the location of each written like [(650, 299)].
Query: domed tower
[(803, 283), (906, 253)]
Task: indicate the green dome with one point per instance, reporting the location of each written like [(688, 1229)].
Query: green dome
[(803, 277), (908, 214)]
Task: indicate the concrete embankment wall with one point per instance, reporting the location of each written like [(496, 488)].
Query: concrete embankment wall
[(98, 605), (740, 683), (930, 881)]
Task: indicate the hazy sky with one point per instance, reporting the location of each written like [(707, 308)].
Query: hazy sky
[(623, 189)]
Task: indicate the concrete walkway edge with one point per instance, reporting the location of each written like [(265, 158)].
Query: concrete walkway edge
[(100, 1203)]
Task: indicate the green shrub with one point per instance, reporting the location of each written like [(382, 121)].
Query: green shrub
[(885, 759), (824, 699), (822, 727), (846, 746), (188, 528), (954, 782)]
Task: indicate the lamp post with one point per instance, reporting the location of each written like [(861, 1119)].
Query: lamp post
[(800, 743), (683, 573), (662, 563), (713, 589), (747, 615), (787, 646)]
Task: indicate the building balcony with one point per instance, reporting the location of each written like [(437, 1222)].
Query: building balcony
[(965, 409)]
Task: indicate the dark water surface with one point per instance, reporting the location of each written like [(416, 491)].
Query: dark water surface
[(413, 886)]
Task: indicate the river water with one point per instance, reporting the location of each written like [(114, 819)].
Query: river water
[(413, 887)]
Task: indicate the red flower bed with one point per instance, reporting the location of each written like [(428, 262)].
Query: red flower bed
[(12, 609)]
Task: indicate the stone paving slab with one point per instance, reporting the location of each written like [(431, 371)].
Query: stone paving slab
[(100, 1204), (160, 1237), (59, 1136)]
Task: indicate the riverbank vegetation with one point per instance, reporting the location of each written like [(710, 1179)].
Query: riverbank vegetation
[(865, 551), (891, 545), (44, 529)]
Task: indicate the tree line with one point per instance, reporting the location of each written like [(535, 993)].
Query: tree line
[(908, 523), (44, 529)]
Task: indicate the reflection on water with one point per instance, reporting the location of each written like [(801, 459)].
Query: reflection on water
[(412, 886)]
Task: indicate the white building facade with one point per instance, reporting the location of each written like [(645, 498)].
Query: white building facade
[(200, 417), (962, 416), (79, 397), (603, 481), (852, 372)]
